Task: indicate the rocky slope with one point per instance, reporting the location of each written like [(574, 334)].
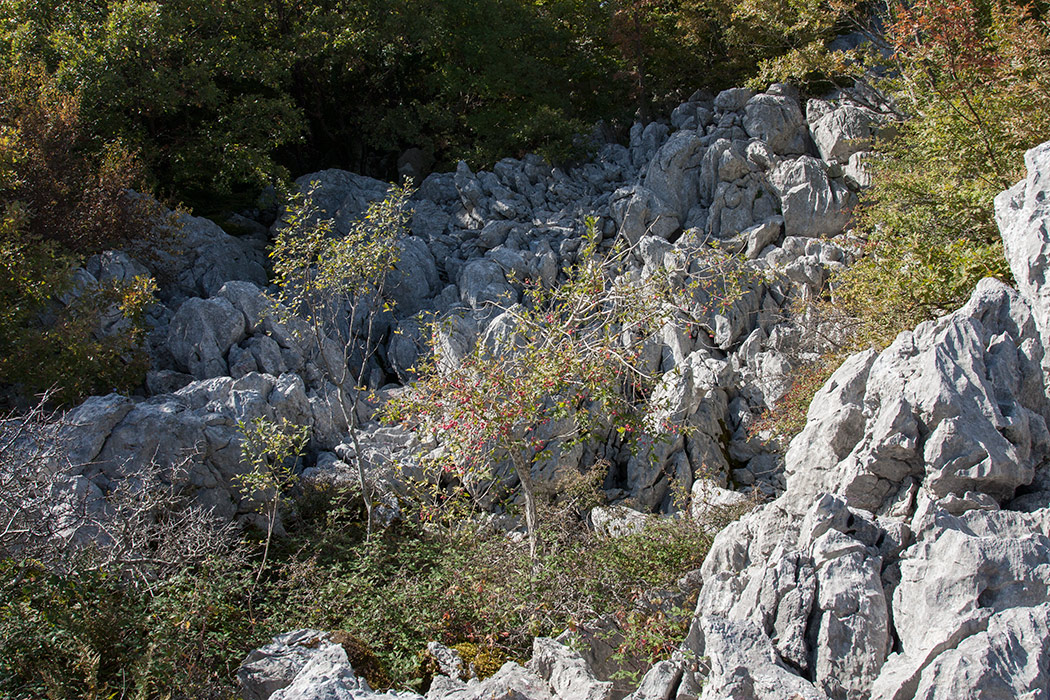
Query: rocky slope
[(907, 557), (905, 553), (748, 172)]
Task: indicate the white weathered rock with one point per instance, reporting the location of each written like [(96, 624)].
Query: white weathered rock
[(812, 203), (1009, 659), (778, 121), (711, 504), (274, 666), (857, 170), (569, 676), (448, 660), (511, 682), (617, 521), (952, 403), (638, 212), (306, 665), (659, 683), (961, 572), (1022, 213), (892, 567), (853, 632), (673, 173), (745, 666), (843, 131)]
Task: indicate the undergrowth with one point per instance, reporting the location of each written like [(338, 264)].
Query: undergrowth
[(98, 635)]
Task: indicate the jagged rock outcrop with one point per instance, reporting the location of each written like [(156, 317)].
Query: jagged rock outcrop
[(306, 665), (310, 665), (204, 258), (907, 556), (1022, 213)]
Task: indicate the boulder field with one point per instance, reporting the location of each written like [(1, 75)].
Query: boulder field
[(903, 551), (738, 173), (908, 555)]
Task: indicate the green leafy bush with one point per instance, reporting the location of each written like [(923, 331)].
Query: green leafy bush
[(62, 198), (973, 79)]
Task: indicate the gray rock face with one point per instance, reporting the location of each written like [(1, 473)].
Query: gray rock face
[(556, 672), (732, 100), (201, 333), (659, 683), (208, 258), (778, 121), (617, 521), (906, 558), (340, 195), (483, 282), (672, 174), (305, 665), (955, 404), (813, 204), (414, 279), (89, 424), (275, 665), (511, 682), (1022, 213), (745, 666), (569, 676), (965, 579), (639, 212), (843, 131), (448, 661), (1010, 658)]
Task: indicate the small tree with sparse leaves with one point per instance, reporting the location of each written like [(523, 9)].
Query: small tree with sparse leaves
[(271, 450), (338, 284)]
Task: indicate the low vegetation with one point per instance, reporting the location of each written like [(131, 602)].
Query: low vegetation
[(92, 632)]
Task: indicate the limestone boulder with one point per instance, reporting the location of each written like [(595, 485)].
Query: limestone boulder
[(340, 195), (414, 279), (1022, 213), (674, 171), (511, 682), (201, 333), (566, 672), (843, 131), (777, 120), (306, 665), (812, 203), (959, 404), (906, 557), (204, 258), (637, 211)]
